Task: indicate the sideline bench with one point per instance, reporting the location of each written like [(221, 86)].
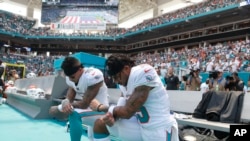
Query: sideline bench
[(186, 102)]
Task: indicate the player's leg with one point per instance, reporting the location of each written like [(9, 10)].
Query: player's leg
[(129, 129), (156, 134), (88, 119), (101, 133)]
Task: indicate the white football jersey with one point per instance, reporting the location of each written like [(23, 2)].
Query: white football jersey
[(90, 76), (155, 111)]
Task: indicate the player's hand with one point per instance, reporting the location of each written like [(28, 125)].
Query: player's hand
[(67, 107), (109, 119), (94, 104), (55, 113)]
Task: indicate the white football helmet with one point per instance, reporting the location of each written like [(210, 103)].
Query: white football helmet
[(31, 75), (36, 92)]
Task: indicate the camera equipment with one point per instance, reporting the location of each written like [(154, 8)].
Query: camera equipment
[(191, 73), (213, 74), (228, 78), (230, 83)]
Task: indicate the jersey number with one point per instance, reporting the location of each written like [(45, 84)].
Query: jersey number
[(143, 117)]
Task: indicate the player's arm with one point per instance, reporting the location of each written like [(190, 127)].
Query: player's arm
[(65, 106), (89, 95), (71, 94), (95, 105), (134, 103)]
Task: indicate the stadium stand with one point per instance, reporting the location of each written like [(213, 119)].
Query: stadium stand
[(211, 35)]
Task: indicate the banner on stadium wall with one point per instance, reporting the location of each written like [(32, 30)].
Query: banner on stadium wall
[(81, 26)]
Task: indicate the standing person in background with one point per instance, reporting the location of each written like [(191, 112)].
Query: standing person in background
[(2, 84), (236, 83), (145, 97), (183, 83), (194, 80), (205, 86), (2, 87), (217, 82), (87, 82), (158, 70), (172, 81), (1, 69)]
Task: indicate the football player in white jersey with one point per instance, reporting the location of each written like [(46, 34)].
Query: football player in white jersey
[(87, 82), (146, 98)]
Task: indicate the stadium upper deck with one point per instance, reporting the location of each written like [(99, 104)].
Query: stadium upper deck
[(205, 21)]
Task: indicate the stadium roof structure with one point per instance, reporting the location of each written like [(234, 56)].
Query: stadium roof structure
[(28, 3), (127, 8)]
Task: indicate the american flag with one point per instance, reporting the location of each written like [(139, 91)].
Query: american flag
[(79, 20)]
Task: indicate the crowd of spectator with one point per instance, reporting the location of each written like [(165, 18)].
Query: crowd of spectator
[(15, 23), (41, 65), (206, 6), (229, 56), (56, 14), (80, 2)]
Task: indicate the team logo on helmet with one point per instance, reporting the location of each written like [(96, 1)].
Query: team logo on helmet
[(97, 77), (149, 78)]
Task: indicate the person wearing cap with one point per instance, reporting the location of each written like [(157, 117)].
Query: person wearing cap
[(87, 82), (145, 97), (217, 82)]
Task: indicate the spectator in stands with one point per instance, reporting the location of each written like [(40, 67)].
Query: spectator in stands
[(210, 66), (172, 80), (217, 82), (194, 80), (144, 96), (87, 82), (13, 75), (234, 65)]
